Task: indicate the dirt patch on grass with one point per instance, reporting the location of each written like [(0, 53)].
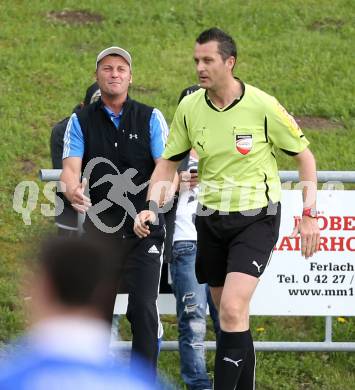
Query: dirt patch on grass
[(317, 123), (75, 17), (27, 166), (326, 24)]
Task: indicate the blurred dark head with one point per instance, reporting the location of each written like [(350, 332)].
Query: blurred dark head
[(79, 274), (189, 91), (92, 94)]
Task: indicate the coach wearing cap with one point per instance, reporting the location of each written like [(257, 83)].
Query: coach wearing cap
[(130, 136)]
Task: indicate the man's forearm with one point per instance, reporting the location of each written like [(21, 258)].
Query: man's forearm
[(308, 178), (308, 226), (71, 182), (161, 181), (71, 176)]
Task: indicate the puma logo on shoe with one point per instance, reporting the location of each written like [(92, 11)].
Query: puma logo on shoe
[(257, 265), (235, 362)]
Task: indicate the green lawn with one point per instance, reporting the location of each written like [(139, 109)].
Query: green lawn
[(300, 51)]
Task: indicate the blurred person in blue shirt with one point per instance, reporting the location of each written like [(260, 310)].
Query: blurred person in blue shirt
[(67, 346)]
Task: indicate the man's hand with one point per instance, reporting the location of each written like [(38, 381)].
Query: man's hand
[(309, 231), (142, 221), (79, 201)]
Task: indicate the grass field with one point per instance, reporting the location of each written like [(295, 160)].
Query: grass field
[(300, 51)]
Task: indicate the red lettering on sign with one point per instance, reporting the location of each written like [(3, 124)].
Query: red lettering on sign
[(285, 244), (297, 221), (347, 223), (337, 242), (335, 223), (322, 222), (297, 242), (323, 245), (348, 244)]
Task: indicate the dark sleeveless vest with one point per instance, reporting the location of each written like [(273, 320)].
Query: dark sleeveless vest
[(126, 147)]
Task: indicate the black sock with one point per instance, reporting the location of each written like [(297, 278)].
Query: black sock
[(247, 376), (231, 358)]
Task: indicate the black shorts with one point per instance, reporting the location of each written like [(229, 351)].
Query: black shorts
[(235, 242)]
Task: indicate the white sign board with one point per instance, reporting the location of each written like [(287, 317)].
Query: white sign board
[(323, 284), (291, 285)]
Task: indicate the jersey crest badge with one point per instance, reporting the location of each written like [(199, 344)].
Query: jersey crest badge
[(243, 143)]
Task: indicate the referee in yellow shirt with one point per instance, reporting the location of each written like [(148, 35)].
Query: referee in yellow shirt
[(235, 129)]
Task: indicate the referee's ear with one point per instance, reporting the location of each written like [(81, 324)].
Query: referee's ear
[(231, 62)]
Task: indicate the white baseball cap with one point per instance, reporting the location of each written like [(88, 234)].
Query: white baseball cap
[(115, 50)]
